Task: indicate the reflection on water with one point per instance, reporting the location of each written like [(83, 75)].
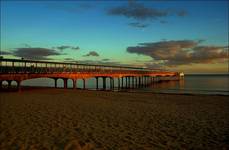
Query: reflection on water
[(205, 84)]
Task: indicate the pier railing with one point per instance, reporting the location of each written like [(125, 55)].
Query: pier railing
[(30, 66)]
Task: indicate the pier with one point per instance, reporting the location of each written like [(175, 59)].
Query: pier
[(126, 77)]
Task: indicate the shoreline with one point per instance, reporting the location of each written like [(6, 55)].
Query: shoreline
[(25, 88)]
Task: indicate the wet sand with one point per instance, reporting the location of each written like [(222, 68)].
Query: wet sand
[(75, 119)]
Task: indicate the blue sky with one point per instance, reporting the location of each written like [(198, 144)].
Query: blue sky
[(109, 28)]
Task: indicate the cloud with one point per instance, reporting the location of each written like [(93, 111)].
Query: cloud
[(107, 63), (26, 45), (181, 52), (92, 53), (138, 11), (138, 25), (63, 47), (69, 59), (161, 50), (105, 59), (5, 53), (75, 48), (102, 61), (154, 65), (181, 13), (35, 53), (163, 21)]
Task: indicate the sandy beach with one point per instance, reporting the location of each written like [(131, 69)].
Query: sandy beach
[(75, 119)]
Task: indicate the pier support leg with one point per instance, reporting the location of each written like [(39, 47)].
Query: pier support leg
[(97, 82), (141, 82), (118, 83), (104, 83), (111, 86), (122, 83), (65, 83), (19, 85), (132, 82), (55, 80), (74, 83), (129, 85), (126, 82), (145, 81), (9, 83), (129, 82), (84, 84), (136, 82)]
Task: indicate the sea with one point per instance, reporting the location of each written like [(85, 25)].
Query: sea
[(210, 84)]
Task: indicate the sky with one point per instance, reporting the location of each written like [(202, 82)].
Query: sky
[(185, 36)]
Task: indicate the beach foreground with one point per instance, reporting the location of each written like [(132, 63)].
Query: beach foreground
[(76, 119)]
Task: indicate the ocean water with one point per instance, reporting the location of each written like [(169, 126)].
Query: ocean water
[(191, 84), (195, 84)]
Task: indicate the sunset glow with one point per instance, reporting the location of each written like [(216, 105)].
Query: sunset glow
[(191, 37)]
